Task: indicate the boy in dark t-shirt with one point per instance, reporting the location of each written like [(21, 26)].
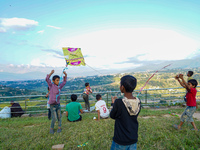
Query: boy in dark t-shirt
[(125, 112)]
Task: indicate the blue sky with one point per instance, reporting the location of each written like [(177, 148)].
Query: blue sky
[(112, 34)]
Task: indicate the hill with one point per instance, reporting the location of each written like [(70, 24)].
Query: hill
[(163, 79)]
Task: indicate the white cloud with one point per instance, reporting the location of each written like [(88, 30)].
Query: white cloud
[(22, 68), (41, 32), (53, 27), (110, 47), (18, 23), (11, 65), (36, 62)]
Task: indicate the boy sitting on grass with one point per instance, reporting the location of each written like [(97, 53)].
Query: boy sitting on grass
[(54, 99), (191, 101), (125, 112), (72, 110), (101, 108)]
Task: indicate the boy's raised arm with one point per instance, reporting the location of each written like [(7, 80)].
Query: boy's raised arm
[(177, 78), (64, 80), (52, 71), (184, 82), (47, 78)]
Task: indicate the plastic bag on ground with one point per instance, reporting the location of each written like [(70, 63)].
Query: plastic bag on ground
[(5, 112)]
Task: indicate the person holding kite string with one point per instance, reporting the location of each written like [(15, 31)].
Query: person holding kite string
[(191, 101), (54, 99), (86, 93)]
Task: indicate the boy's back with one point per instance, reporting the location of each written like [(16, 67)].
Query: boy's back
[(101, 106), (73, 108), (126, 125)]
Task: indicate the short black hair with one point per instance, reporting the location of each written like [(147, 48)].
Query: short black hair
[(129, 82), (48, 88), (193, 82), (98, 96), (55, 77), (86, 84), (73, 97), (190, 73)]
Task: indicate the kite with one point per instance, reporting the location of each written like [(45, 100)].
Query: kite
[(73, 56)]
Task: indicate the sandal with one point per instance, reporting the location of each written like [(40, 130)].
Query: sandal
[(194, 129), (176, 127)]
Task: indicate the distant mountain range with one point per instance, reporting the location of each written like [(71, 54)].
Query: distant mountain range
[(178, 64)]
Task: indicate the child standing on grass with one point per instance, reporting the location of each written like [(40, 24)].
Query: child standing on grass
[(101, 108), (191, 101), (54, 99), (125, 112), (48, 105), (86, 93)]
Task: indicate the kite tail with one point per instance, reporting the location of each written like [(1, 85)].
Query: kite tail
[(150, 78), (61, 77)]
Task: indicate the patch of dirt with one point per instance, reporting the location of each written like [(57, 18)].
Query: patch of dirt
[(197, 116), (147, 117), (29, 126), (167, 115)]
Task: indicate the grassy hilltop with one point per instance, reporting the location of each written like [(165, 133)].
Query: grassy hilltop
[(155, 132)]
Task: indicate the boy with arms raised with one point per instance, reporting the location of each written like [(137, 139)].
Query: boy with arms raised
[(125, 112), (191, 101), (72, 110), (54, 99), (101, 108)]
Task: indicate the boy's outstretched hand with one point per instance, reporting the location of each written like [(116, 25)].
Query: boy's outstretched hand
[(52, 71), (65, 73), (176, 77), (181, 76), (113, 98)]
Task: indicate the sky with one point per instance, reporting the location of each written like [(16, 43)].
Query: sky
[(112, 34)]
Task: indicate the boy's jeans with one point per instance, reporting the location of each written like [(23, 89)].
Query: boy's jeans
[(116, 146), (55, 114)]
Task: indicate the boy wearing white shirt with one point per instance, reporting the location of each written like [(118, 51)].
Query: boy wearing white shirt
[(101, 108)]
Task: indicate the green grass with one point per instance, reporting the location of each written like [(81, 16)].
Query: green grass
[(155, 132)]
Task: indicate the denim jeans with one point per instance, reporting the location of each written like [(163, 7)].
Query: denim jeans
[(55, 114), (116, 146), (188, 113)]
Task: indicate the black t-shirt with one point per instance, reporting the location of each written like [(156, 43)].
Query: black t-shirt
[(126, 126)]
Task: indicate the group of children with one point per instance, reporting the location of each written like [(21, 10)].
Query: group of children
[(125, 111)]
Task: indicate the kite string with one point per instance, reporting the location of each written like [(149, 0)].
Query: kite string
[(150, 78), (97, 71), (94, 69)]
